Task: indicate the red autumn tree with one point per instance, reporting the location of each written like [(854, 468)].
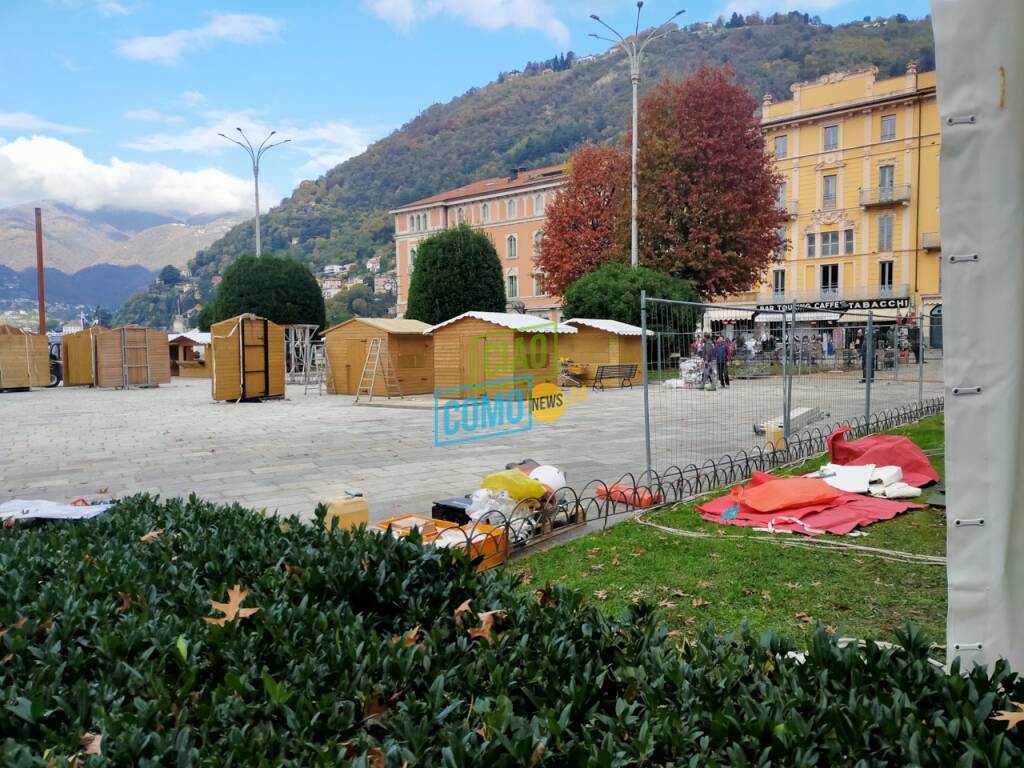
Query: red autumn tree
[(580, 232), (708, 209)]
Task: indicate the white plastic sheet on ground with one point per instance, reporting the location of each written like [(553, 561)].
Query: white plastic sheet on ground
[(981, 99)]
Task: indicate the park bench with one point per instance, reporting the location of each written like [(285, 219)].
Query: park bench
[(624, 373)]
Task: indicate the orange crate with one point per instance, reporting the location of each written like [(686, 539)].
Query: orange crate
[(477, 539)]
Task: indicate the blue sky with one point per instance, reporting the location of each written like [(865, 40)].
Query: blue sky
[(118, 102)]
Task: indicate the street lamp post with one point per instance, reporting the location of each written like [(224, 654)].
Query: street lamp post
[(255, 153), (635, 52)]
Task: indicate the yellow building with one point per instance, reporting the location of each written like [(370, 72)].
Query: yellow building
[(860, 162)]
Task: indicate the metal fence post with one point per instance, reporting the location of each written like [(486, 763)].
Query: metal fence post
[(646, 382), (869, 367), (919, 352), (787, 373)]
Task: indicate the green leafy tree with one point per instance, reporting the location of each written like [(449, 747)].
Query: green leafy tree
[(170, 275), (357, 301), (277, 288), (612, 292), (457, 270), (101, 316)]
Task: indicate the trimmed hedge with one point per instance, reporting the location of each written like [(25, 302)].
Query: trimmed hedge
[(356, 657)]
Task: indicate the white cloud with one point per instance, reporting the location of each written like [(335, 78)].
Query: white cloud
[(102, 7), (231, 27), (486, 14), (151, 116), (42, 167), (324, 144), (192, 99), (24, 121)]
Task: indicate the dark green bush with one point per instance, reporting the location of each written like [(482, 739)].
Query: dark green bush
[(331, 672)]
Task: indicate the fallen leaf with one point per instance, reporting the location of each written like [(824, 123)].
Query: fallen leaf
[(126, 602), (714, 556), (92, 742), (374, 706), (103, 490), (284, 527), (748, 591), (21, 622), (675, 633), (858, 560), (410, 636), (593, 553), (601, 594), (538, 755), (792, 585), (232, 609), (699, 602), (487, 620), (831, 628), (89, 559), (1012, 719), (376, 757), (8, 657), (839, 606), (690, 621), (637, 552), (462, 609), (597, 567), (666, 604), (152, 536), (815, 583), (291, 570), (766, 595), (805, 618), (364, 565), (662, 588), (527, 578), (636, 596), (680, 593), (545, 597), (705, 584), (616, 561)]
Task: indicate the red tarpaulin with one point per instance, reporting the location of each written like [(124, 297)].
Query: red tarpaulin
[(883, 451), (839, 516)]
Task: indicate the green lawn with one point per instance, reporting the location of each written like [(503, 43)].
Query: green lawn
[(734, 575)]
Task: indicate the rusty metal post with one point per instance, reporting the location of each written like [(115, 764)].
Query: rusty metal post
[(40, 280)]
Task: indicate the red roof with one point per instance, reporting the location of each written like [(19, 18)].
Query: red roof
[(495, 185)]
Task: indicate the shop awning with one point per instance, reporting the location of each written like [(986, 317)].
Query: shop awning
[(860, 317), (801, 317), (727, 313)]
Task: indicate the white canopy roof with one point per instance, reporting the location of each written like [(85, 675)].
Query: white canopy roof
[(611, 326), (196, 337), (513, 320)]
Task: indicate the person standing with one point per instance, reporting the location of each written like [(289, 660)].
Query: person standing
[(914, 337), (722, 361), (707, 354), (866, 348)]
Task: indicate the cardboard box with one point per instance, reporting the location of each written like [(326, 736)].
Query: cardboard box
[(477, 539), (347, 512)]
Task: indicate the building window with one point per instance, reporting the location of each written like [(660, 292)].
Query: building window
[(511, 247), (829, 243), (538, 284), (412, 223), (538, 236), (885, 272), (511, 209), (781, 148), (485, 213), (460, 215), (538, 205), (412, 259), (512, 291), (829, 281), (423, 222), (810, 246), (780, 196), (885, 223), (848, 242), (779, 283), (831, 137), (886, 176), (828, 197), (888, 127), (783, 243)]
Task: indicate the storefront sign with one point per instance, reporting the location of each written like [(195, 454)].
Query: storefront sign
[(838, 306)]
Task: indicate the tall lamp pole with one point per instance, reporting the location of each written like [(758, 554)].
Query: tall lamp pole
[(634, 49), (255, 153)]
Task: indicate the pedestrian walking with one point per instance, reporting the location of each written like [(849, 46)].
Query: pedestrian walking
[(722, 361), (708, 357)]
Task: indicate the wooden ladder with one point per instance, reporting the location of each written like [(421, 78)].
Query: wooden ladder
[(378, 361), (317, 368), (125, 365)]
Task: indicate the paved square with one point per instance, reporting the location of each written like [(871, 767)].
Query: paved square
[(287, 455)]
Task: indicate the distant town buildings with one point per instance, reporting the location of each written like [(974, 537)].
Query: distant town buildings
[(331, 286), (373, 265), (509, 209), (338, 269), (384, 283)]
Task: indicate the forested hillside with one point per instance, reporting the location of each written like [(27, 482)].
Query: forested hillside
[(536, 118)]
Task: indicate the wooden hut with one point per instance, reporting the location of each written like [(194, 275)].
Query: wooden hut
[(411, 352), (603, 342), (190, 354), (24, 359), (132, 356), (78, 352), (479, 347), (247, 355)]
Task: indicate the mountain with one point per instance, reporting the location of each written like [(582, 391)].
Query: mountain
[(535, 118), (106, 285), (74, 240)]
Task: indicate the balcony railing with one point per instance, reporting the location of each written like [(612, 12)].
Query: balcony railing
[(789, 208), (897, 291), (876, 196), (931, 241), (828, 203)]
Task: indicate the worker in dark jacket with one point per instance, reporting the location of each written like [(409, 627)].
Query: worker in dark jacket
[(722, 361)]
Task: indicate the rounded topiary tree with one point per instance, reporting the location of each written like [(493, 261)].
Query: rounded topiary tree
[(612, 292), (456, 271), (277, 288)]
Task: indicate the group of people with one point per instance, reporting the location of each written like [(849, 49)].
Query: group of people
[(715, 354)]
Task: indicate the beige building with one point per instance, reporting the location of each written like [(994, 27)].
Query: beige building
[(510, 210)]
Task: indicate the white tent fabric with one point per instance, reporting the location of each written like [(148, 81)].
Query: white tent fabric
[(980, 62)]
